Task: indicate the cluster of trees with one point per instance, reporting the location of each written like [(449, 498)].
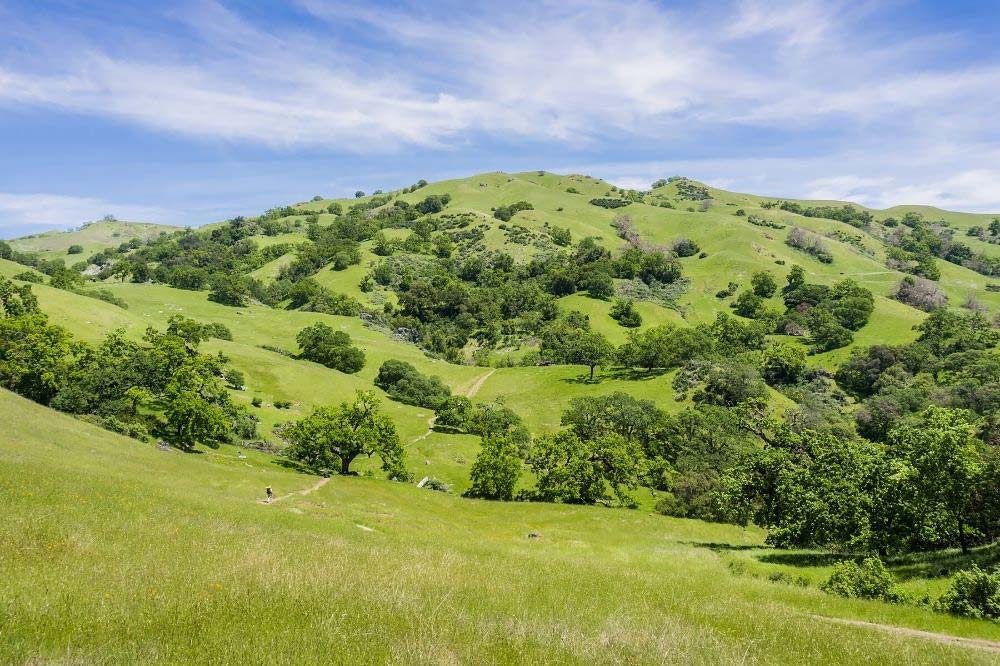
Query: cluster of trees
[(930, 486), (915, 242), (829, 315), (162, 386), (846, 213), (322, 344), (405, 383), (490, 298)]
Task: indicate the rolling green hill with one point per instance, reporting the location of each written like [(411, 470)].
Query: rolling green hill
[(361, 569)]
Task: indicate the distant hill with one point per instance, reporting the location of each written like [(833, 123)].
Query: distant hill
[(92, 237)]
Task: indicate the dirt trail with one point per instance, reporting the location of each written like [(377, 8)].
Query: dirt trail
[(313, 488), (468, 393), (478, 384), (958, 641)]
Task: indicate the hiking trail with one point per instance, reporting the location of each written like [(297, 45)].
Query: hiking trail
[(302, 493), (946, 639)]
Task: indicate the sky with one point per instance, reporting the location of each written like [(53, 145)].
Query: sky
[(194, 111)]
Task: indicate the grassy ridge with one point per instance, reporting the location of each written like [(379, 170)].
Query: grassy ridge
[(363, 571)]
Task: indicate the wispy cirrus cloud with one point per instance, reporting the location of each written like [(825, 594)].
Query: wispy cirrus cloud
[(567, 72)]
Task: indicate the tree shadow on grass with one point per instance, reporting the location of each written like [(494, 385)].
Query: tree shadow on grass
[(943, 563), (712, 545), (620, 374), (296, 466), (798, 559)]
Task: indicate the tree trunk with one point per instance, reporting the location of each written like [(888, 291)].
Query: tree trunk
[(961, 537), (345, 464), (592, 373)]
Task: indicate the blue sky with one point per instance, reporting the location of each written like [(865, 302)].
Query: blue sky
[(193, 111)]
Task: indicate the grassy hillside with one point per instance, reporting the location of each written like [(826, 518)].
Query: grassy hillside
[(93, 237), (116, 552)]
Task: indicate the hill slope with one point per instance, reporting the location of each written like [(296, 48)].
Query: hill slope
[(364, 571)]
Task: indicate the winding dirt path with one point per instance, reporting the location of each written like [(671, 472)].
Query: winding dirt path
[(946, 639), (468, 393), (302, 493)]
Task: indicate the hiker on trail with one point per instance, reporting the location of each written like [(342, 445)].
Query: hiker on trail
[(270, 495)]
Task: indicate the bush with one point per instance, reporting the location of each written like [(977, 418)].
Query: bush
[(405, 383), (685, 247), (504, 213), (623, 311), (29, 276), (868, 580), (75, 249), (809, 243), (234, 378), (973, 593), (920, 293)]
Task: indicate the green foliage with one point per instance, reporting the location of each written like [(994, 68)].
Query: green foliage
[(404, 383), (505, 213), (331, 438), (229, 290), (623, 311), (321, 344), (605, 202), (783, 363), (496, 470), (763, 284), (868, 580), (576, 471), (75, 249), (973, 593)]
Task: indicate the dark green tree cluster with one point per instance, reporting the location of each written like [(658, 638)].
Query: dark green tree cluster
[(163, 386), (322, 344), (405, 383)]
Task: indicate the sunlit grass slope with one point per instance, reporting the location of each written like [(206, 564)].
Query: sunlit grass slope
[(93, 238), (116, 552)]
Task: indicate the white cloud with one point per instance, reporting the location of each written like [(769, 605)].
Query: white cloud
[(23, 211)]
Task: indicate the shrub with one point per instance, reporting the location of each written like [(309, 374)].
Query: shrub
[(809, 243), (763, 284), (685, 247), (256, 402), (29, 276), (868, 580), (434, 483), (973, 593), (322, 344), (282, 404), (218, 331), (505, 213), (623, 311), (234, 378), (920, 293), (75, 249)]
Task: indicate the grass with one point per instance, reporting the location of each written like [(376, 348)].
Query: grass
[(366, 571), (93, 238)]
